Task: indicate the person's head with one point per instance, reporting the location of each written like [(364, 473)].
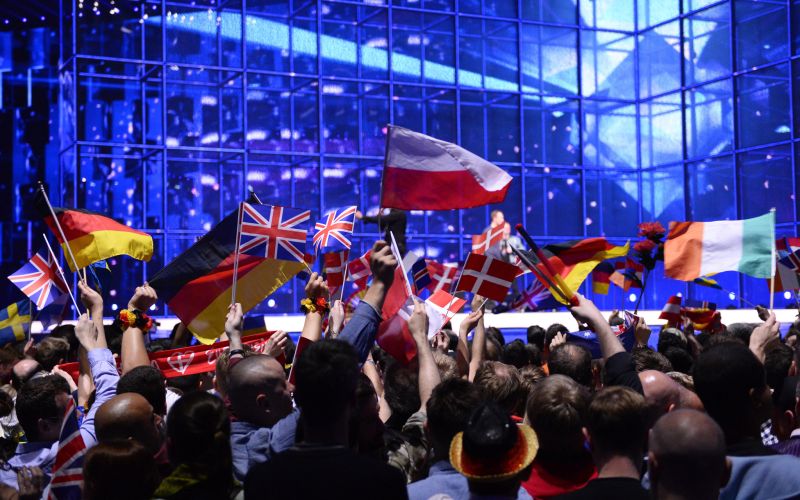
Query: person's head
[(515, 354), (785, 406), (8, 358), (50, 352), (222, 371), (446, 365), (686, 456), (777, 363), (493, 350), (366, 426), (198, 436), (41, 403), (671, 337), (122, 469), (496, 335), (502, 384), (557, 410), (258, 390), (67, 332), (648, 359), (401, 391), (742, 331), (448, 409), (149, 383), (531, 375), (731, 384), (493, 452), (129, 416), (535, 336), (616, 425), (497, 217), (661, 394), (679, 358), (683, 379), (552, 331), (574, 361), (326, 377), (23, 371)]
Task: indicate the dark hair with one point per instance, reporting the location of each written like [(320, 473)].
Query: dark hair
[(199, 432), (449, 407), (723, 376), (617, 422), (185, 384), (37, 399), (147, 382), (648, 359), (50, 352), (325, 380), (742, 331), (777, 362), (680, 359), (515, 354), (535, 336), (502, 384), (401, 391), (159, 345), (534, 355), (670, 337), (114, 337), (67, 332), (122, 469), (574, 361), (557, 411), (552, 331), (495, 334)]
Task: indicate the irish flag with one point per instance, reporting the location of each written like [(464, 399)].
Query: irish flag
[(423, 173), (695, 249)]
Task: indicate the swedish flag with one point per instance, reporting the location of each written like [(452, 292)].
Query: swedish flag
[(15, 322)]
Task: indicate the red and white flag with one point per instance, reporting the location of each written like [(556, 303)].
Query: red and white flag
[(672, 311), (442, 276), (487, 277), (483, 242), (423, 173), (333, 266), (358, 270), (441, 307), (394, 337)]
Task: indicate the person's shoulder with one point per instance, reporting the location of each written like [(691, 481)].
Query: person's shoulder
[(773, 476)]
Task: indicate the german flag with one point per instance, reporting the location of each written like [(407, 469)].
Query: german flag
[(601, 278), (94, 237), (197, 284), (15, 322), (574, 260)]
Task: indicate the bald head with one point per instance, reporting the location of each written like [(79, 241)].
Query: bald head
[(128, 416), (258, 390), (23, 370), (687, 455), (661, 393)]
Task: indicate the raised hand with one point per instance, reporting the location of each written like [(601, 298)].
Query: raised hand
[(90, 298), (336, 319), (144, 297), (234, 320), (382, 263), (418, 323), (763, 335), (468, 324), (316, 287), (86, 332), (276, 344)]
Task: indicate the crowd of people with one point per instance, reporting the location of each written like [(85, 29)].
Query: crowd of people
[(471, 416)]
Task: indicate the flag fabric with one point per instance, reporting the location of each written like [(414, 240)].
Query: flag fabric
[(100, 274), (627, 274), (441, 307), (335, 229), (423, 173), (273, 232), (54, 313), (197, 284), (483, 242), (574, 260), (359, 271), (695, 249), (394, 336), (442, 275), (67, 474), (536, 297), (253, 325), (787, 269), (334, 264), (706, 281), (672, 311), (422, 277), (305, 274), (15, 322), (490, 278), (702, 314), (39, 279), (93, 236), (624, 332), (601, 278)]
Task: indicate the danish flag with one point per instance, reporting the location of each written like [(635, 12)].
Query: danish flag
[(334, 264), (442, 276), (39, 279), (487, 277), (483, 242), (333, 230), (273, 232), (68, 467), (359, 271)]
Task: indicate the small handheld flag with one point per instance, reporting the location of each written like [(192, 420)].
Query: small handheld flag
[(15, 322), (483, 242), (359, 271), (334, 231), (68, 467), (39, 279), (672, 311), (487, 277), (422, 277)]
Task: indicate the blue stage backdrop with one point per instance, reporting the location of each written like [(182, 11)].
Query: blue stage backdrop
[(606, 113)]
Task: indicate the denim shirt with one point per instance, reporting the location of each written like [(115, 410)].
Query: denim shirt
[(361, 330), (251, 444), (443, 480)]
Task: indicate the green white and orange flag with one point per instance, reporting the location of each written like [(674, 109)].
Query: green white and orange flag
[(695, 249)]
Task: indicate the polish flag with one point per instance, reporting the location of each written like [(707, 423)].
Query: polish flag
[(483, 242), (423, 173), (487, 277), (672, 311)]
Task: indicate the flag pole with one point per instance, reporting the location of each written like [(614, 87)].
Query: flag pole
[(61, 272), (344, 276), (60, 230), (383, 174), (772, 264), (236, 254)]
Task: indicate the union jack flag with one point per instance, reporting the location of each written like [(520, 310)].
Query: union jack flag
[(39, 279), (533, 298), (68, 467), (273, 232), (333, 230)]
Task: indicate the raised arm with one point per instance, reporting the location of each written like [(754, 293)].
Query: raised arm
[(134, 352), (586, 312), (316, 291), (462, 348), (763, 335), (94, 305), (479, 340), (233, 328), (428, 373)]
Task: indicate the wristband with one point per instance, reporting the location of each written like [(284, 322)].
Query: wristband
[(320, 305), (134, 318), (236, 352)]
